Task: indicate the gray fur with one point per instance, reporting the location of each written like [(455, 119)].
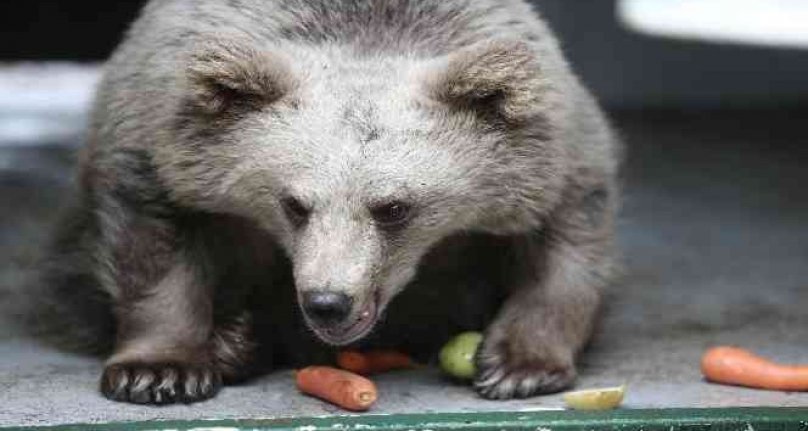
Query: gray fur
[(245, 150)]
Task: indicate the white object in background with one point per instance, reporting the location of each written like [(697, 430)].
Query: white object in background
[(45, 102), (776, 23)]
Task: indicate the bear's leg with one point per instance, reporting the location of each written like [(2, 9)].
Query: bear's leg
[(531, 347), (167, 348)]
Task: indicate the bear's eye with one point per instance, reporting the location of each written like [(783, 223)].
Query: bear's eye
[(297, 212), (392, 214)]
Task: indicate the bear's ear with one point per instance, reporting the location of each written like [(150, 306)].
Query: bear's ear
[(500, 78), (226, 73)]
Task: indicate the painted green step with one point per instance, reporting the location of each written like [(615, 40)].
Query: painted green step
[(741, 419)]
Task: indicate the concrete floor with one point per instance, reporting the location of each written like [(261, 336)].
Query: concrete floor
[(715, 239)]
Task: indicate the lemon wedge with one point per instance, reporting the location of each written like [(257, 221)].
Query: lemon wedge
[(596, 399)]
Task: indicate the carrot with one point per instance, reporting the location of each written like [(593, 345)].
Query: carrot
[(372, 362), (345, 389), (735, 366)]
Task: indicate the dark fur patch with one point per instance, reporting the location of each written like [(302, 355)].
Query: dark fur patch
[(137, 184), (135, 220), (67, 306), (233, 347)]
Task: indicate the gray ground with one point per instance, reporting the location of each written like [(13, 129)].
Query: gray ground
[(716, 245)]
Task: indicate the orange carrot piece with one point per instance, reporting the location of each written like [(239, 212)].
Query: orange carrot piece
[(342, 388), (353, 361), (735, 366), (373, 362)]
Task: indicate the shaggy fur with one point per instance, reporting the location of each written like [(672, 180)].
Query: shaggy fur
[(435, 161)]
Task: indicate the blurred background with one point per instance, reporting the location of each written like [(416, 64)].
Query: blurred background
[(632, 53), (710, 96)]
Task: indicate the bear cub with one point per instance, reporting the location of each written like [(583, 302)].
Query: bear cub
[(266, 180)]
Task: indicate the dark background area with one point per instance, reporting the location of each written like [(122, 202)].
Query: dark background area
[(63, 30), (625, 69)]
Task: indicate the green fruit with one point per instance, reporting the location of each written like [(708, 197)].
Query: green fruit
[(457, 356)]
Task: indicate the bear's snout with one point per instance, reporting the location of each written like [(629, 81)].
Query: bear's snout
[(337, 317), (326, 308)]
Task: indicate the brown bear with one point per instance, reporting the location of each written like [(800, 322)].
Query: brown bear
[(266, 179)]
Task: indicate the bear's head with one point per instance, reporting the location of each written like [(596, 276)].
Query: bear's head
[(358, 164)]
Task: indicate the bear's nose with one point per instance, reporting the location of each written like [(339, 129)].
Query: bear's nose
[(327, 308)]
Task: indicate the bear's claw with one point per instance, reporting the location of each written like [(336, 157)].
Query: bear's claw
[(160, 383), (500, 383), (510, 365)]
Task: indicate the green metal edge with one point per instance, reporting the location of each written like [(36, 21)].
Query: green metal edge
[(736, 419)]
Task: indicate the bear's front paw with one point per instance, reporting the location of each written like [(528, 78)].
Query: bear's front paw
[(507, 368), (160, 383)]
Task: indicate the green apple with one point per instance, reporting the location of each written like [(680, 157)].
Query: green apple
[(457, 356)]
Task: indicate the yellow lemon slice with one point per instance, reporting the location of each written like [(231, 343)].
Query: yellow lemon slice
[(595, 399)]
